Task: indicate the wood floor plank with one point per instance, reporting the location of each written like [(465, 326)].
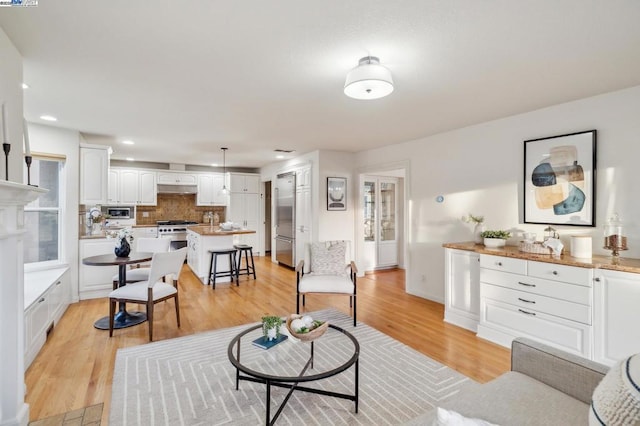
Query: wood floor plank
[(75, 367)]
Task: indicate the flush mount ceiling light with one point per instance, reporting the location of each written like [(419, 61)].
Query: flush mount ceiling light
[(369, 80)]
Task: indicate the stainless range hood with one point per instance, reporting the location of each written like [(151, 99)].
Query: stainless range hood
[(177, 189)]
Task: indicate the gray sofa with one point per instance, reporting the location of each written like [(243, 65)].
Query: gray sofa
[(545, 386)]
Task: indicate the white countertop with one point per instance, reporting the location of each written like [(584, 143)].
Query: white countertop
[(37, 282)]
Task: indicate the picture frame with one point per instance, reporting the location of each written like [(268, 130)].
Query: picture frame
[(336, 193), (560, 179)]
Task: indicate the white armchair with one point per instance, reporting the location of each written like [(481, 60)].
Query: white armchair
[(328, 271)]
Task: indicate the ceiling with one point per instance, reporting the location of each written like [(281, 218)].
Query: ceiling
[(184, 78)]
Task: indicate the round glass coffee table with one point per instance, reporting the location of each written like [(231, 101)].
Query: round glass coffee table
[(289, 364)]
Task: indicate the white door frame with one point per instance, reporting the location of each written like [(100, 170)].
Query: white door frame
[(380, 169)]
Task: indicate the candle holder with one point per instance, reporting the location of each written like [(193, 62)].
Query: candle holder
[(28, 159), (6, 147)]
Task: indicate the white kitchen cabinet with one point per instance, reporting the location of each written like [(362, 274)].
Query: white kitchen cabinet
[(547, 302), (303, 178), (47, 295), (193, 253), (616, 315), (95, 281), (132, 187), (94, 174), (244, 182), (244, 210), (303, 221), (177, 178), (462, 288), (210, 190)]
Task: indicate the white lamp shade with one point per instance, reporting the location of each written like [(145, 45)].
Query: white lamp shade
[(369, 80)]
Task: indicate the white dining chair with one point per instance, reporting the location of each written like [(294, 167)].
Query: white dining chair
[(140, 272), (327, 270), (153, 290)]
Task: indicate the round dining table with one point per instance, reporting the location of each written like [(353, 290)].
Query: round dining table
[(123, 318)]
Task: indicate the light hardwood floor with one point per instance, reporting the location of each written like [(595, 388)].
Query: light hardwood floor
[(75, 367)]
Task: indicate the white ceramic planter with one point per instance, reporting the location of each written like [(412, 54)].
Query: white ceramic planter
[(494, 242)]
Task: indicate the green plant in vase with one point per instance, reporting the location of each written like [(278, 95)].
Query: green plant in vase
[(271, 326), (493, 239)]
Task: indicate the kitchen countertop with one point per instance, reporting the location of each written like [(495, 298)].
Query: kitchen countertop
[(209, 231), (595, 262)]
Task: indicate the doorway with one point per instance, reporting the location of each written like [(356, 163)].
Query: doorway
[(381, 218)]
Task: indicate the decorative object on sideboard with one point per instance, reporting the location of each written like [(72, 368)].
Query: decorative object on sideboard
[(27, 150), (581, 246), (495, 239), (550, 232), (560, 179), (479, 227), (123, 238), (614, 239)]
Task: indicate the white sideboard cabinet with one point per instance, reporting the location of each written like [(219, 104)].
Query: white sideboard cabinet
[(548, 302), (462, 288), (616, 315)]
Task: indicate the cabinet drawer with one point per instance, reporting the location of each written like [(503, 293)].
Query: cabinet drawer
[(568, 274), (506, 264), (509, 319), (535, 303), (569, 292)]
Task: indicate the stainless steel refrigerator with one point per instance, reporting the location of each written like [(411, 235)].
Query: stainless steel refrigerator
[(285, 202)]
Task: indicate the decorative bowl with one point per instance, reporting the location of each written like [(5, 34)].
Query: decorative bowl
[(494, 242), (310, 335)]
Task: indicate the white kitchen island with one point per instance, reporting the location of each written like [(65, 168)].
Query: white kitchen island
[(201, 239)]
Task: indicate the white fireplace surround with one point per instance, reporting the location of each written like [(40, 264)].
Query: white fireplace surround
[(13, 198)]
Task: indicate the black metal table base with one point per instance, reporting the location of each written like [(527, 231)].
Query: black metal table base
[(122, 319)]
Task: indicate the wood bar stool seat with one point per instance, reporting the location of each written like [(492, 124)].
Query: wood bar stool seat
[(249, 269), (213, 266)]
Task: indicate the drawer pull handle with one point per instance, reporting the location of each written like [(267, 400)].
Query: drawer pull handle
[(597, 280), (41, 300), (59, 282), (525, 300), (526, 285), (555, 272), (499, 263), (527, 312)]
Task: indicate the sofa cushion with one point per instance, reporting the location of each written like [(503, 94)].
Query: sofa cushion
[(514, 399)]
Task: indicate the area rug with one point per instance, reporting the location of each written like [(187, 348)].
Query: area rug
[(190, 381)]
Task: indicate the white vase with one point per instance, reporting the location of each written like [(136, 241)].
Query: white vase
[(479, 229)]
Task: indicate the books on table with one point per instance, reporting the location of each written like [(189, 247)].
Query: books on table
[(264, 343)]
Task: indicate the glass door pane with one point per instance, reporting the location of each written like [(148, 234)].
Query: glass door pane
[(387, 211), (369, 211)]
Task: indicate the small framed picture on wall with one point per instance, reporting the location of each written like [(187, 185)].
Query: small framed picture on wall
[(336, 193)]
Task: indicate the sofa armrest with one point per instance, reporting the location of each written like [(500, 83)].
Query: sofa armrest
[(568, 373)]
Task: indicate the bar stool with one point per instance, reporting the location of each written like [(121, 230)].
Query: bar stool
[(248, 269), (213, 266)]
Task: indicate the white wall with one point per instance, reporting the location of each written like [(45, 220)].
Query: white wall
[(478, 169), (52, 140), (11, 95)]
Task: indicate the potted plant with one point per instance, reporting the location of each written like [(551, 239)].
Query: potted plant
[(271, 327), (493, 239)]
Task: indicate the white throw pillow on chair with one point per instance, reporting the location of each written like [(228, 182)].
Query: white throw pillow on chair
[(328, 258)]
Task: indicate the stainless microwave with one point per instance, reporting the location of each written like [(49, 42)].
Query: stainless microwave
[(120, 212)]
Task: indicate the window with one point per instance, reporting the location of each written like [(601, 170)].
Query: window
[(43, 216)]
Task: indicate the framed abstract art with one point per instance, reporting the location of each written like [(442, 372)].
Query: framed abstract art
[(336, 193), (560, 179)]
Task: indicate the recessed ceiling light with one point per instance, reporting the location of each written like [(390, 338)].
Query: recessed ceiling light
[(48, 118), (129, 159), (25, 86), (128, 142), (279, 157), (214, 164)]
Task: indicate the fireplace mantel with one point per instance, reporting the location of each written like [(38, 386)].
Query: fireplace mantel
[(13, 198)]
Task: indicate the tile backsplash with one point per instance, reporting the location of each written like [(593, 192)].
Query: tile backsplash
[(177, 207)]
